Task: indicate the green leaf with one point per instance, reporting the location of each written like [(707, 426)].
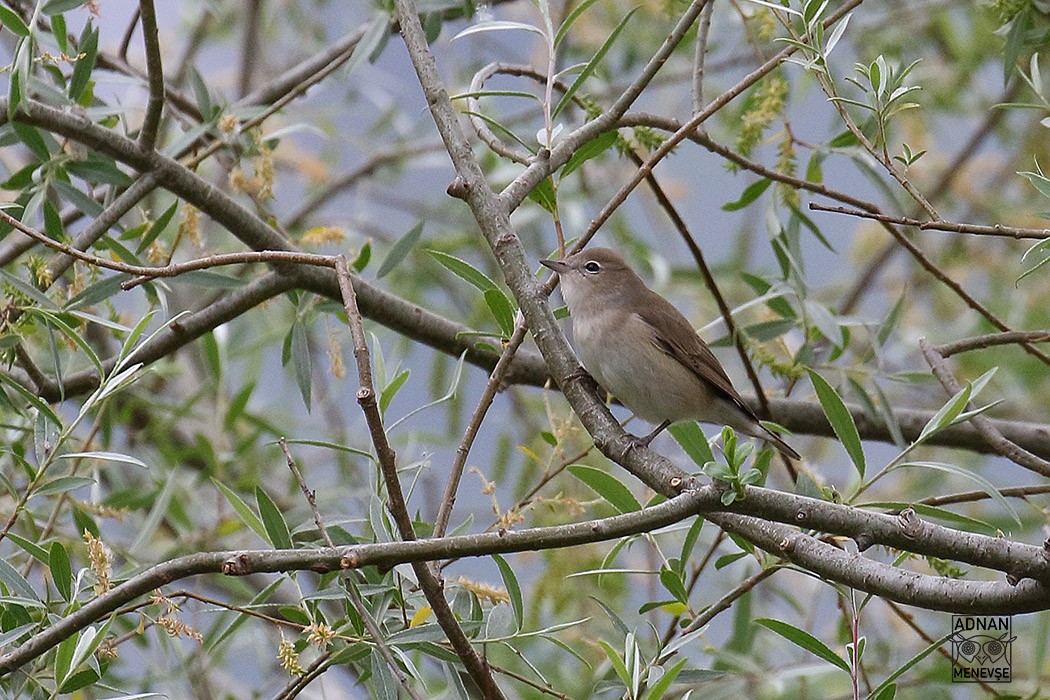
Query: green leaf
[(805, 640), (1014, 42), (691, 538), (617, 663), (693, 441), (32, 398), (840, 418), (513, 589), (273, 521), (673, 583), (608, 487), (107, 456), (502, 310), (496, 26), (61, 571), (157, 228), (34, 550), (592, 149), (63, 484), (13, 22), (401, 249), (750, 194), (570, 19), (592, 65), (247, 515), (463, 270), (97, 292), (29, 290), (82, 71), (985, 485), (947, 413), (300, 350), (390, 390), (15, 582), (879, 692), (1038, 181), (52, 7), (30, 136), (661, 686), (331, 446), (543, 194)]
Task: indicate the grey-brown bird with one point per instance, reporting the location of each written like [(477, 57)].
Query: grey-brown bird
[(640, 349)]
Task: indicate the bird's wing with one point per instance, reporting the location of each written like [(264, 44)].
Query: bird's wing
[(680, 341)]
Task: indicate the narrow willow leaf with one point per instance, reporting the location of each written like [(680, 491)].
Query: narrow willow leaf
[(750, 194), (658, 689), (570, 19), (63, 484), (805, 640), (513, 589), (391, 389), (61, 571), (693, 441), (106, 456), (673, 583), (463, 270), (502, 310), (247, 515), (608, 487), (589, 150), (840, 418), (497, 26), (401, 249), (301, 361), (985, 485), (276, 529), (592, 65)]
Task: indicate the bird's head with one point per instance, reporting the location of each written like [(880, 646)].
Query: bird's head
[(595, 276)]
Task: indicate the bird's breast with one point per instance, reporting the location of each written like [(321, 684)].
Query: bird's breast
[(620, 352)]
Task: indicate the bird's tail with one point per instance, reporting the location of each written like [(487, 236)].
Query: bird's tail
[(784, 448)]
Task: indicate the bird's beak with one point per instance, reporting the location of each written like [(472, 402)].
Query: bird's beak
[(558, 266)]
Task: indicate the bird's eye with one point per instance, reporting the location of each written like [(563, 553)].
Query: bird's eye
[(592, 267)]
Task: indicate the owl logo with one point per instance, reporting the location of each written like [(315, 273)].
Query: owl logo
[(982, 649)]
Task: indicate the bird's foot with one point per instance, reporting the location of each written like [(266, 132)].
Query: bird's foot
[(635, 441)]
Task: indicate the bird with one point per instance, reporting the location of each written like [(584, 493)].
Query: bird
[(638, 347)]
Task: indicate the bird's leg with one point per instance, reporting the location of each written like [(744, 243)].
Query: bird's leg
[(644, 441)]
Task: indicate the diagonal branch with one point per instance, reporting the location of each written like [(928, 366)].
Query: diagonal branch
[(999, 443), (432, 587)]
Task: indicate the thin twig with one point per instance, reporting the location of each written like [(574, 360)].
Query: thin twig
[(355, 598), (1014, 232), (690, 127), (1007, 449), (494, 384), (250, 47), (147, 273), (154, 73), (125, 41), (432, 587), (700, 56), (729, 598), (971, 496), (990, 340)]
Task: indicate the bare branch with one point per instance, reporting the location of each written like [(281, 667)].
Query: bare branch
[(493, 385), (432, 587), (355, 597), (999, 443), (155, 75), (991, 340), (999, 230)]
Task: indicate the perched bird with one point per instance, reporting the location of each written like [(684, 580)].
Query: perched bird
[(641, 350)]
